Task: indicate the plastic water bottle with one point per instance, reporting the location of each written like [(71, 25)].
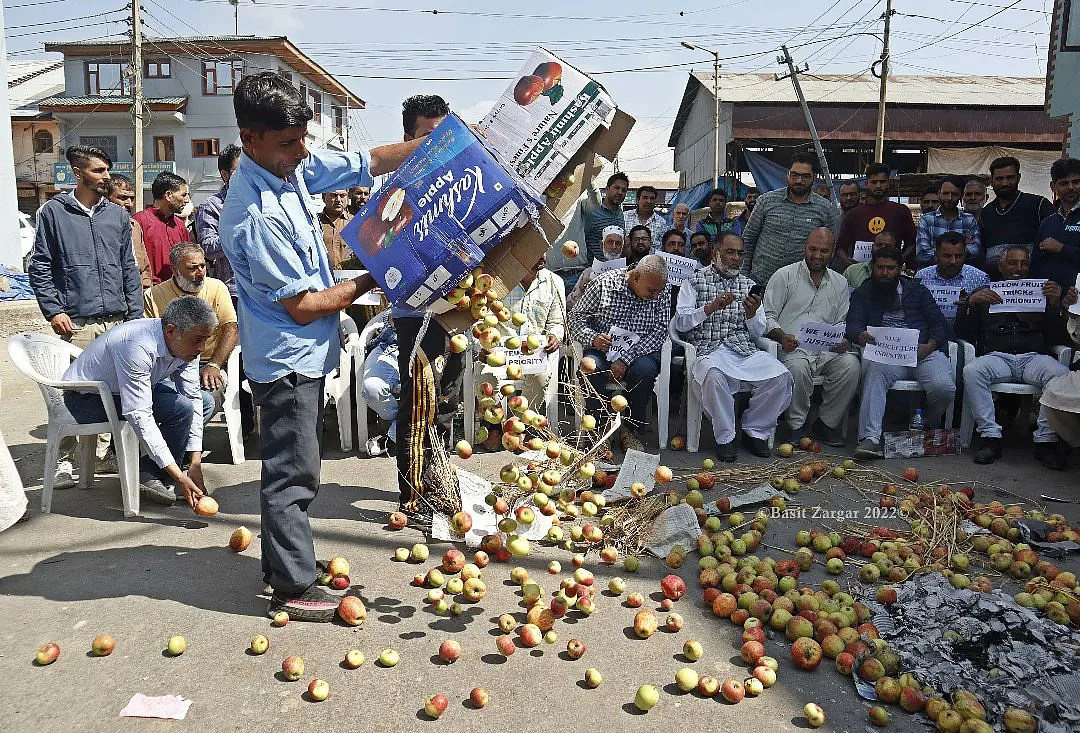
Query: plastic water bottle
[(916, 421)]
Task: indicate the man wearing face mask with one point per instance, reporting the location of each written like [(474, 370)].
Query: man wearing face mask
[(189, 278), (162, 227), (722, 318), (887, 299)]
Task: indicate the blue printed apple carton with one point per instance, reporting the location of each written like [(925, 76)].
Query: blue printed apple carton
[(439, 214)]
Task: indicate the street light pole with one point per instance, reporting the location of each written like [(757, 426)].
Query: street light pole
[(716, 109)]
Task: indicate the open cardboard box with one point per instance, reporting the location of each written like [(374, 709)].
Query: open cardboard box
[(509, 261)]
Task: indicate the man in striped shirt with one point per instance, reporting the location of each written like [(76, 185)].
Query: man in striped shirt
[(782, 220)]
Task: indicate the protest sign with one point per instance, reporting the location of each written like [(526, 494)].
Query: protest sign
[(1019, 296), (819, 337), (368, 298), (863, 251), (437, 216), (946, 298), (545, 116), (534, 363), (621, 341), (599, 266), (895, 346), (679, 268)]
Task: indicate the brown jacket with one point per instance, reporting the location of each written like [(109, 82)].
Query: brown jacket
[(336, 249), (141, 258)]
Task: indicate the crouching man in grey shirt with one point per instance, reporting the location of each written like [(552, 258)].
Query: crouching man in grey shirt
[(152, 368)]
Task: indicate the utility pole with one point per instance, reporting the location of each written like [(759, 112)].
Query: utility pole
[(793, 74), (236, 16), (883, 74), (716, 109), (137, 102)]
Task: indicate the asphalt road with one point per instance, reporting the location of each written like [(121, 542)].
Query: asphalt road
[(84, 569)]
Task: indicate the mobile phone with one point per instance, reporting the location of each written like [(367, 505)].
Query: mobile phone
[(758, 290)]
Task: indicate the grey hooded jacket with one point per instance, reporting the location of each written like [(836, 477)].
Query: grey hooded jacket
[(84, 266)]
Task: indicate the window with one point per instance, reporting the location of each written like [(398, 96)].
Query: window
[(107, 79), (207, 148), (107, 143), (339, 119), (315, 98), (221, 77), (43, 141), (164, 149), (158, 69)]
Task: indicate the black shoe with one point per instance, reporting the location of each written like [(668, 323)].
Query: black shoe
[(1050, 456), (796, 434), (314, 604), (418, 516), (758, 446), (990, 451), (824, 434), (726, 452)]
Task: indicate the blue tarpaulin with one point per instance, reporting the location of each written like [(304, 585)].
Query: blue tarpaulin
[(18, 285)]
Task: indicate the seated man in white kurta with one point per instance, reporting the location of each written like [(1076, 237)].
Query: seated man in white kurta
[(720, 317)]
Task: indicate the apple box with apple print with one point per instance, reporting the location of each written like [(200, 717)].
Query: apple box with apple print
[(437, 215)]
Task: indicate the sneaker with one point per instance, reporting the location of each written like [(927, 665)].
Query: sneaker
[(314, 604), (630, 441), (156, 491), (988, 451), (1050, 455), (824, 434), (758, 446), (106, 465), (868, 449), (380, 445), (727, 452), (65, 477)]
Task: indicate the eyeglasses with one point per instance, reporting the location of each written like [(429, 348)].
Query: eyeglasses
[(800, 176)]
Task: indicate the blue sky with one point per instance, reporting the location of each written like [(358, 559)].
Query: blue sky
[(386, 50)]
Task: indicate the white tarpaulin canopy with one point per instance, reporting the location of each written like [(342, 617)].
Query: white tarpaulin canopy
[(1034, 164)]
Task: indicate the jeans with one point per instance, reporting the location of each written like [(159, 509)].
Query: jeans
[(639, 381), (381, 385), (996, 367), (934, 374), (172, 412), (290, 424)]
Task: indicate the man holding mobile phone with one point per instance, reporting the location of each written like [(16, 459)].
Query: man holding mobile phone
[(719, 311)]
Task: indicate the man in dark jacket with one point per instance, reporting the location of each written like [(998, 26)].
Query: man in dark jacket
[(83, 269), (1057, 257), (887, 299), (1012, 347)]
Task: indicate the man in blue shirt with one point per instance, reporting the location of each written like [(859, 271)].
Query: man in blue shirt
[(289, 306), (951, 280)]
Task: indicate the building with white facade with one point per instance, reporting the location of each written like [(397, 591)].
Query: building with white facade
[(35, 134), (187, 88)]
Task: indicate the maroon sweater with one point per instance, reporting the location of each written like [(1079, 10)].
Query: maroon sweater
[(160, 233), (866, 221)]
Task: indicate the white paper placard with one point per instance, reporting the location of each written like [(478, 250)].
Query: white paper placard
[(637, 467), (1019, 296), (677, 525), (679, 268), (534, 363), (863, 251), (895, 346), (621, 341), (367, 298), (819, 337), (946, 297), (599, 266)]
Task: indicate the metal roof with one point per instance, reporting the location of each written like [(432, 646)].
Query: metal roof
[(60, 101), (193, 40), (31, 81), (863, 89)]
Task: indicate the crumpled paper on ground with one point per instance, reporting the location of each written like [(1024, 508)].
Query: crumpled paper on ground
[(473, 491), (1036, 657), (169, 707), (677, 525), (757, 495)]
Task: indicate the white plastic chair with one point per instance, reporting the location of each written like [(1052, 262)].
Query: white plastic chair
[(694, 409), (338, 386), (366, 335), (661, 389), (230, 407), (912, 385), (476, 368), (1064, 354), (44, 359)]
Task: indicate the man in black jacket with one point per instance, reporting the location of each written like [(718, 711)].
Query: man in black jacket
[(1012, 347), (83, 268)]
